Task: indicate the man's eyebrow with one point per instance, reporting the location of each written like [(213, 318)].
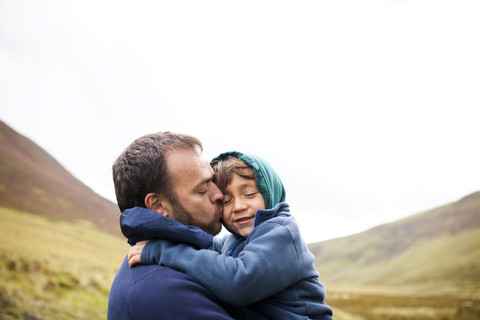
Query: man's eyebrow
[(205, 181)]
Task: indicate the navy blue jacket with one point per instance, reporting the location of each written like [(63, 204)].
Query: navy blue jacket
[(158, 292)]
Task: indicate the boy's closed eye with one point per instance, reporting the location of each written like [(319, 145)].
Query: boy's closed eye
[(226, 200)]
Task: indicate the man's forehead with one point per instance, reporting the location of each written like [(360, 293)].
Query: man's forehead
[(188, 164), (176, 157)]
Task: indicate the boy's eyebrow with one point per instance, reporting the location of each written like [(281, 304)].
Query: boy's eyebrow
[(248, 184)]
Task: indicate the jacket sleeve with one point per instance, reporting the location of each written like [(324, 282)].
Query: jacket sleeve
[(269, 263), (218, 243)]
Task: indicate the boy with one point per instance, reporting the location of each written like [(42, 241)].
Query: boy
[(263, 265)]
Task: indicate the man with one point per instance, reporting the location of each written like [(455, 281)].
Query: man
[(165, 172)]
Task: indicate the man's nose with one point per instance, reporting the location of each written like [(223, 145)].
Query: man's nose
[(217, 195)]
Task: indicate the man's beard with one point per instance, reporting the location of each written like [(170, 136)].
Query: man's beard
[(185, 217)]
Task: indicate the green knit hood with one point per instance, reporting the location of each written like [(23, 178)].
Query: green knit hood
[(268, 182)]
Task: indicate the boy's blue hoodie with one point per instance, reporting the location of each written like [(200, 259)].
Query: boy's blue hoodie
[(270, 273)]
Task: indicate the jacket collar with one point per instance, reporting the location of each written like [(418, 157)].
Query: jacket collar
[(281, 208), (143, 224)]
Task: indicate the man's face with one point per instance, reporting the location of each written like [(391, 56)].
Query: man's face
[(198, 199)]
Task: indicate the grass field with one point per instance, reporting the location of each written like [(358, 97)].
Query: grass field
[(55, 270), (60, 270), (375, 306)]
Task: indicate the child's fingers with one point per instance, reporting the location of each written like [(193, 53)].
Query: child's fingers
[(135, 253), (133, 260)]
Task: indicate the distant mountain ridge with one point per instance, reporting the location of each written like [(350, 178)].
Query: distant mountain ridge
[(436, 248), (33, 181)]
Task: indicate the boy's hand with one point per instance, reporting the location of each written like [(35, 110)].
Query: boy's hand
[(135, 253)]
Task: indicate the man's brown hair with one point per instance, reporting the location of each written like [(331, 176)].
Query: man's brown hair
[(141, 168)]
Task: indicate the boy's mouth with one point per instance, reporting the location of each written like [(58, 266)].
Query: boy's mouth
[(243, 220)]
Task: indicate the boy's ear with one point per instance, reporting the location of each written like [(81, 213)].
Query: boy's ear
[(157, 203)]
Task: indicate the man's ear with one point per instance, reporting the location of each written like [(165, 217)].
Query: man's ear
[(157, 203)]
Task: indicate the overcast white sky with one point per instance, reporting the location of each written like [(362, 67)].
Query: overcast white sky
[(369, 110)]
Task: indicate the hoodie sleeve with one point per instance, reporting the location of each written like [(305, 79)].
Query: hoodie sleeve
[(269, 263), (143, 224)]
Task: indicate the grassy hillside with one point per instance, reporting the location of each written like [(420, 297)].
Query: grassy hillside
[(61, 270), (437, 251), (55, 269), (364, 305), (32, 181), (55, 263), (424, 267)]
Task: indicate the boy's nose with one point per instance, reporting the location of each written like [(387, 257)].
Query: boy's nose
[(238, 205)]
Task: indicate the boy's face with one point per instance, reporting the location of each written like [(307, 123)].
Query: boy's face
[(240, 205)]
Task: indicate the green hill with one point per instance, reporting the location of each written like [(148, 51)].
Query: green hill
[(55, 269), (434, 252), (60, 242), (60, 247), (32, 181)]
